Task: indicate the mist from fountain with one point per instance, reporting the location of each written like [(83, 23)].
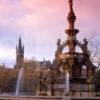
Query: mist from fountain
[(19, 81)]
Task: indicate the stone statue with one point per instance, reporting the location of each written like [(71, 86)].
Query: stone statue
[(58, 42), (85, 42), (84, 47), (90, 76), (59, 46)]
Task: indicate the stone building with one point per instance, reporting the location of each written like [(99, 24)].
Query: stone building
[(7, 79), (9, 76)]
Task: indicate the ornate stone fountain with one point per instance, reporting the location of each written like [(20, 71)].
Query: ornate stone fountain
[(73, 62)]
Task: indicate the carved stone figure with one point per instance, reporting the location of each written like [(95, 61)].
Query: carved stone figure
[(90, 76)]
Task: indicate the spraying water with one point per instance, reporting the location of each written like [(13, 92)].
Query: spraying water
[(66, 91), (20, 77), (66, 84)]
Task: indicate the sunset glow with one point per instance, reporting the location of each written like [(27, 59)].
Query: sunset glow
[(40, 23)]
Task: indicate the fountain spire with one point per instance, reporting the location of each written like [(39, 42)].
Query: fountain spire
[(71, 31), (71, 5), (71, 16)]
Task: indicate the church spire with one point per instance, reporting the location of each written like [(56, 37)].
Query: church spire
[(20, 44), (19, 54)]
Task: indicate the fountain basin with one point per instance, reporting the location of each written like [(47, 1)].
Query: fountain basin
[(21, 97), (11, 97)]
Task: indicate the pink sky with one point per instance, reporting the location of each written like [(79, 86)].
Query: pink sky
[(40, 23)]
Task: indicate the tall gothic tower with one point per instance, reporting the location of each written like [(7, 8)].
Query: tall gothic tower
[(19, 54)]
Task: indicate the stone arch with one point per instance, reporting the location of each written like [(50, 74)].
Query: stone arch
[(78, 49), (65, 49)]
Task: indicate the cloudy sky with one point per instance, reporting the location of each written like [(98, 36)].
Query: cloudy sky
[(40, 23)]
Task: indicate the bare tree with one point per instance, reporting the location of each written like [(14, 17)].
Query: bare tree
[(94, 48)]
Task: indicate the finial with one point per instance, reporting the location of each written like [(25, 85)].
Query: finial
[(71, 16), (71, 5)]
